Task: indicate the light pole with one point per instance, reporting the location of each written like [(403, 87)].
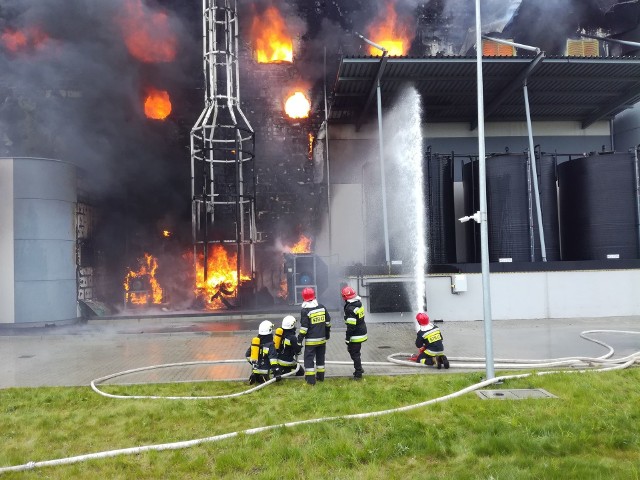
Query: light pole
[(484, 230), (383, 186)]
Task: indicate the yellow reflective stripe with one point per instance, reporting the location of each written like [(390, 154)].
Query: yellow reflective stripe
[(316, 342), (320, 369), (351, 321), (359, 311), (358, 338), (310, 371), (287, 341), (284, 363)]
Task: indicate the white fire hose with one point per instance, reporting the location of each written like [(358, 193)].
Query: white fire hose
[(579, 364)]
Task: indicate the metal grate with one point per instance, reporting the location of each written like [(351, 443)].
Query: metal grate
[(514, 394)]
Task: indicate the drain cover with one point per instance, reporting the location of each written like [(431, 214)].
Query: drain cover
[(514, 394)]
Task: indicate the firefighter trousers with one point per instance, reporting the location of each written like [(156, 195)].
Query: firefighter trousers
[(354, 353), (314, 362)]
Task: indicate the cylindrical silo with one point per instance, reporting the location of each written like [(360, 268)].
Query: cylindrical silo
[(38, 245), (440, 208), (598, 207), (511, 209)]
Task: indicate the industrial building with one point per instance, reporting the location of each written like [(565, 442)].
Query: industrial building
[(103, 214)]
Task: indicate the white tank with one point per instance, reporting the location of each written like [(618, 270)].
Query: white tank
[(37, 240)]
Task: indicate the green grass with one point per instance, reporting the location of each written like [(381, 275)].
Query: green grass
[(590, 432)]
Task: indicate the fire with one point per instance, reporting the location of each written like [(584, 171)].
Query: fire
[(166, 233), (147, 34), (297, 105), (21, 40), (271, 40), (390, 32), (222, 277), (157, 105), (141, 287), (303, 245), (311, 137)]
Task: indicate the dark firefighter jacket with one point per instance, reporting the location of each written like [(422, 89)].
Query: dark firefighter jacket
[(267, 357), (315, 324), (354, 318), (430, 337), (289, 348)]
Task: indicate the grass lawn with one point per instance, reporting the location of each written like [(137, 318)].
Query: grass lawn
[(592, 431)]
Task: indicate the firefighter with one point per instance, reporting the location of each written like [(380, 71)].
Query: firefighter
[(356, 328), (429, 341), (288, 347), (262, 355), (315, 329)]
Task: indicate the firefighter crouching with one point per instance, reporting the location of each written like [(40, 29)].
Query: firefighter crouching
[(356, 328), (287, 346), (315, 329), (262, 355), (429, 341)]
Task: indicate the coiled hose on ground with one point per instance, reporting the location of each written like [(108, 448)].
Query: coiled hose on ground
[(602, 363)]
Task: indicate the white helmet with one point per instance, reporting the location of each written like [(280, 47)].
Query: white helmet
[(288, 322), (265, 328)]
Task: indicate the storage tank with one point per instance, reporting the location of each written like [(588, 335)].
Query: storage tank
[(511, 208), (38, 245), (599, 207), (440, 208)]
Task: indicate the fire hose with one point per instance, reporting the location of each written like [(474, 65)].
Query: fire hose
[(604, 363)]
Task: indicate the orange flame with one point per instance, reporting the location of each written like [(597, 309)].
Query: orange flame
[(302, 246), (222, 276), (166, 233), (22, 40), (311, 137), (147, 34), (148, 293), (390, 32), (270, 38), (157, 105), (297, 106)]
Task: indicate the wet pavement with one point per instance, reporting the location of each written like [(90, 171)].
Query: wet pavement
[(76, 354)]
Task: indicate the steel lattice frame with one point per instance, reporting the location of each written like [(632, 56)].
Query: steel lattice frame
[(222, 147)]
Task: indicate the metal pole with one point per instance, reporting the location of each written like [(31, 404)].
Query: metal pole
[(484, 230), (536, 191), (383, 180), (326, 147), (383, 186)]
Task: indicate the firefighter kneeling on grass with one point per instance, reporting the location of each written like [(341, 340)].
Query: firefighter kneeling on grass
[(429, 341), (262, 355), (287, 346)]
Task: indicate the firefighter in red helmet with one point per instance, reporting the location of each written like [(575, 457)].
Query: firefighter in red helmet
[(356, 328), (429, 341), (315, 329)]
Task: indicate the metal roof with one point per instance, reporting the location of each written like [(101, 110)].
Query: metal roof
[(584, 89)]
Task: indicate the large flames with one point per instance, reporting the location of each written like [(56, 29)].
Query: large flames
[(157, 105), (222, 277), (390, 32), (141, 286), (270, 37), (297, 105), (22, 40), (147, 34)]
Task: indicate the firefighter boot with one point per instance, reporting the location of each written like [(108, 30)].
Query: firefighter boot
[(439, 362), (445, 361), (320, 376)]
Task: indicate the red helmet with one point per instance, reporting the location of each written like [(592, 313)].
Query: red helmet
[(308, 294), (422, 318), (348, 293)]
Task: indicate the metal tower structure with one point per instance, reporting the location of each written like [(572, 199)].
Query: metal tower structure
[(223, 180)]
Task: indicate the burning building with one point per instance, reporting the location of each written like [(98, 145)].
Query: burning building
[(287, 145)]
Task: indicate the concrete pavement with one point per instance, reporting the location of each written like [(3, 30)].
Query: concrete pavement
[(76, 354)]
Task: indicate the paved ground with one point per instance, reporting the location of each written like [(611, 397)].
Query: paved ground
[(78, 353)]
